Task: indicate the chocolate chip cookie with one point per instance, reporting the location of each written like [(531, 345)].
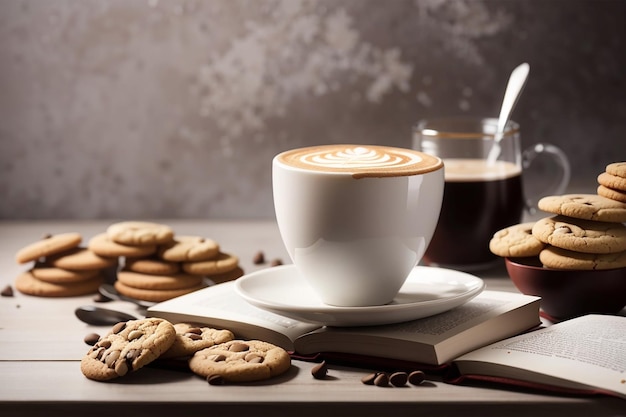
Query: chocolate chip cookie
[(128, 347)]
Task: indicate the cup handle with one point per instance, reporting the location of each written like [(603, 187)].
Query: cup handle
[(562, 162)]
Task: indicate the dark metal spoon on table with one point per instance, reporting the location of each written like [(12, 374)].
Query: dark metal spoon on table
[(99, 316)]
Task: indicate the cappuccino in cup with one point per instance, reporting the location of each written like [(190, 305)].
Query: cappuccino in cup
[(356, 219)]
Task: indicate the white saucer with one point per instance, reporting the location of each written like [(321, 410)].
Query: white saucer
[(426, 292)]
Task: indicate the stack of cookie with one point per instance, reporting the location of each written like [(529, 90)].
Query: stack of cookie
[(612, 182), (586, 231), (158, 265), (61, 267)]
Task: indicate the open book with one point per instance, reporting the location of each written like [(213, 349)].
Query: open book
[(582, 355), (489, 317)]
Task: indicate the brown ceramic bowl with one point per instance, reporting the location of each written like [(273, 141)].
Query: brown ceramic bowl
[(566, 294)]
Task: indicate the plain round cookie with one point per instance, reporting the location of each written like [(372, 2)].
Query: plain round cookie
[(155, 296), (241, 361), (26, 283), (191, 338), (557, 258), (127, 347), (80, 259), (102, 245), (585, 206), (612, 181), (579, 235), (137, 233), (61, 276), (617, 168), (158, 282), (48, 246), (152, 266), (189, 249), (516, 241), (222, 263), (611, 193), (226, 276)]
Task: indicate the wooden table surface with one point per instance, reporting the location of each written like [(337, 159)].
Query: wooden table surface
[(41, 344)]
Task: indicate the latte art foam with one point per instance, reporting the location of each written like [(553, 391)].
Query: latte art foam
[(361, 160)]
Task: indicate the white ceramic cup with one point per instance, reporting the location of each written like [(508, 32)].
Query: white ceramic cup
[(356, 219)]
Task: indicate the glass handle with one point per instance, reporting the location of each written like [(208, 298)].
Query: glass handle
[(562, 163)]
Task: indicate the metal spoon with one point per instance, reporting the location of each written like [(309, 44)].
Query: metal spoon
[(516, 83), (99, 316)]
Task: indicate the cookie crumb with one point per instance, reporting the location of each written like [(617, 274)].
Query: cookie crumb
[(416, 377), (215, 380), (7, 291), (259, 258), (92, 338)]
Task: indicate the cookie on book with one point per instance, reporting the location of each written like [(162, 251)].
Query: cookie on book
[(26, 283), (158, 282), (155, 296), (516, 241), (612, 181), (222, 263), (585, 206), (579, 235), (102, 245), (54, 275), (191, 338), (189, 249), (136, 233), (557, 258), (153, 266), (612, 194), (128, 347), (80, 259), (241, 361), (47, 246), (617, 168)]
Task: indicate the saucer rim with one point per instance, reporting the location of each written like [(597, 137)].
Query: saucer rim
[(298, 312)]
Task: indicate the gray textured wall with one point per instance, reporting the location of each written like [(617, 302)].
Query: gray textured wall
[(148, 109)]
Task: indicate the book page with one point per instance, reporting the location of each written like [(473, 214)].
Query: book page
[(491, 316), (588, 351)]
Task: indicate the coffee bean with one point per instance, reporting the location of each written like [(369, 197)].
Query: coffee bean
[(416, 377), (398, 379), (111, 358), (215, 380), (369, 379), (92, 338), (381, 380), (320, 370), (7, 291), (105, 344), (259, 258)]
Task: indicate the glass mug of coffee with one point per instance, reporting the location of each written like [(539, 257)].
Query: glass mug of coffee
[(482, 196), (356, 219)]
